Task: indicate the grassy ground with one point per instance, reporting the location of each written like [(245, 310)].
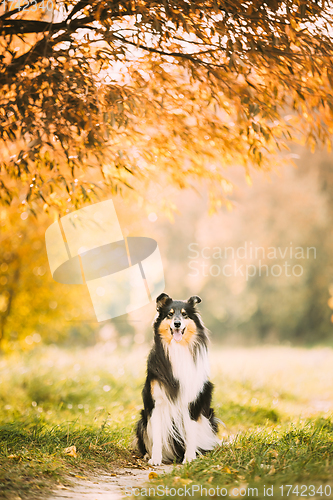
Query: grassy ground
[(275, 404)]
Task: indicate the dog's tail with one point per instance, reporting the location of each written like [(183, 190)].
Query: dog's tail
[(138, 441)]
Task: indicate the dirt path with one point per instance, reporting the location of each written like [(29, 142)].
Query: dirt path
[(106, 486)]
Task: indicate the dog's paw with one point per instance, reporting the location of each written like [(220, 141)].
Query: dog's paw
[(155, 461), (189, 458)]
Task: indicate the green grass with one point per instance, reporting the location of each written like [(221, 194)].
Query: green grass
[(51, 400), (275, 404), (300, 455), (32, 453)]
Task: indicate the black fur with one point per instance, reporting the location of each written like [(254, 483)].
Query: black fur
[(159, 369), (202, 406)]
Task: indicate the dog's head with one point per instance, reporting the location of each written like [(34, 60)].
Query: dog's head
[(178, 320)]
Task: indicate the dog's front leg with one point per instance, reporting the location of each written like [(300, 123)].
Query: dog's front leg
[(156, 431), (190, 439)]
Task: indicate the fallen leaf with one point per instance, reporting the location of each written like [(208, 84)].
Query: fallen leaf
[(70, 451), (272, 471), (210, 479), (152, 475), (186, 481)]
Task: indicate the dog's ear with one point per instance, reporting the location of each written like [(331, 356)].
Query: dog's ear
[(162, 300), (194, 300)]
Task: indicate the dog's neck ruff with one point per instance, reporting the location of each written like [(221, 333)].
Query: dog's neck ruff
[(191, 372)]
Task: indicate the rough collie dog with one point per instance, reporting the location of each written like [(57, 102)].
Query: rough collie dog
[(177, 420)]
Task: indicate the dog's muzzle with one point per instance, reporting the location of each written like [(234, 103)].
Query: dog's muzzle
[(177, 333)]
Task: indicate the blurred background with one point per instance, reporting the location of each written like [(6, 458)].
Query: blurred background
[(283, 219)]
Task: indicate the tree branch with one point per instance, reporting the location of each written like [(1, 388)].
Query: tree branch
[(15, 26), (79, 6), (164, 53)]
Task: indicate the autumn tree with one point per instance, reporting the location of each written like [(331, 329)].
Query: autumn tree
[(33, 307), (106, 95)]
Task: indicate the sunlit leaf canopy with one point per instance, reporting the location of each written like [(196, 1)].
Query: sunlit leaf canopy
[(106, 96)]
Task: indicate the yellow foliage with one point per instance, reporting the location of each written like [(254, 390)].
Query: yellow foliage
[(162, 94)]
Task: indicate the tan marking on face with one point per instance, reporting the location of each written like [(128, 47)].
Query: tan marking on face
[(164, 330), (183, 311), (172, 311), (190, 332)]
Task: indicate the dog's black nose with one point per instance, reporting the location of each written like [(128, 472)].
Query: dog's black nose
[(177, 324)]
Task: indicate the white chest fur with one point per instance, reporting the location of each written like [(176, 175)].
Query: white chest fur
[(172, 418), (191, 374)]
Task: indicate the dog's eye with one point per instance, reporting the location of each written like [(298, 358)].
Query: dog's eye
[(184, 315), (170, 314)]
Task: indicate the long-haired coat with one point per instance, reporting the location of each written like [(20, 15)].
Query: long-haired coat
[(177, 420)]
